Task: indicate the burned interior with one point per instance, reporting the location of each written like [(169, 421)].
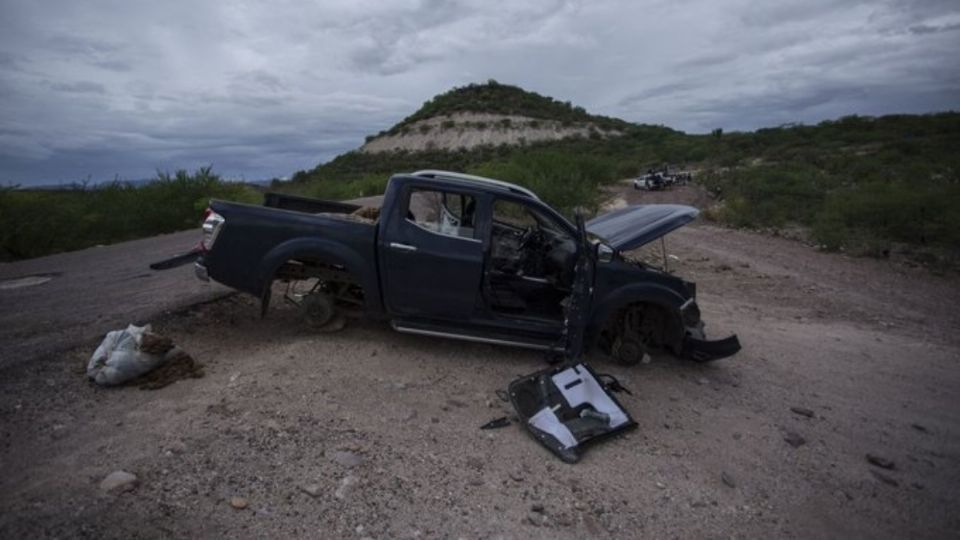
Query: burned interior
[(530, 267)]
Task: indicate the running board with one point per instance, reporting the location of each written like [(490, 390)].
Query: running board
[(477, 339)]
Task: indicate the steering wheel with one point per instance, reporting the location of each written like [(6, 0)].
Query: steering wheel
[(525, 237)]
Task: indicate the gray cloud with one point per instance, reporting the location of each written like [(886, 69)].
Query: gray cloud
[(102, 88), (81, 87), (656, 91), (931, 29)]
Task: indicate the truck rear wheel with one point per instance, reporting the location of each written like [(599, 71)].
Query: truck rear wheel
[(318, 309), (325, 293)]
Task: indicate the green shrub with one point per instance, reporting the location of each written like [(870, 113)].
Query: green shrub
[(567, 183), (768, 195), (364, 186), (910, 212), (41, 222)]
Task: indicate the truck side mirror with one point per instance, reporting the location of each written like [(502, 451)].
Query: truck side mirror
[(604, 253)]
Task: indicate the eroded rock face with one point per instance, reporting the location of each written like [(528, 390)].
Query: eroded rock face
[(469, 130)]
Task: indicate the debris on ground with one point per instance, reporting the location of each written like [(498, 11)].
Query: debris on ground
[(178, 366), (129, 354), (802, 411), (346, 486), (881, 462), (239, 503), (312, 490), (794, 439), (345, 458), (728, 480), (496, 423), (566, 407), (118, 481), (886, 479)]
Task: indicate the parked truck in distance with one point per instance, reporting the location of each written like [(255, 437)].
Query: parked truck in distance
[(466, 257)]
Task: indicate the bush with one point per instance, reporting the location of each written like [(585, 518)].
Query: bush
[(41, 222), (769, 196), (880, 212), (568, 183), (338, 190)]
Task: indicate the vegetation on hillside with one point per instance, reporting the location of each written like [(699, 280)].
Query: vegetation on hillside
[(857, 183), (41, 222), (504, 99)]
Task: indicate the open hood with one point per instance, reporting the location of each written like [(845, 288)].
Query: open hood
[(633, 226)]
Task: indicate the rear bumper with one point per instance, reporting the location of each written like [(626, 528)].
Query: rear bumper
[(178, 260), (201, 272), (701, 350)]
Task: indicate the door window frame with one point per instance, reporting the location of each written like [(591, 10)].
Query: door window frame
[(477, 229)]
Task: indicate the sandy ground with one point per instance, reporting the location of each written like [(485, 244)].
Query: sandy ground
[(370, 433)]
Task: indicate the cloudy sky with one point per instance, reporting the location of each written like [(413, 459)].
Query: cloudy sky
[(259, 90)]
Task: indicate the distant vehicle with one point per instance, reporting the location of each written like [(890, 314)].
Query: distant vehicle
[(651, 182), (466, 257), (659, 180)]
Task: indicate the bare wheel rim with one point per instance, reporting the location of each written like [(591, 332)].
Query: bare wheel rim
[(318, 308)]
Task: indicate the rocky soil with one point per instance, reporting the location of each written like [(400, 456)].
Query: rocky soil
[(839, 418)]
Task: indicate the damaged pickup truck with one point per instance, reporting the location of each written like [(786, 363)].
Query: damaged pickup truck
[(466, 257)]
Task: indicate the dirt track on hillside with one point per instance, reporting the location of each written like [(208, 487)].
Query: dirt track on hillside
[(370, 433)]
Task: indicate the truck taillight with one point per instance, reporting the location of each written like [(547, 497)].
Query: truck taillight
[(212, 223)]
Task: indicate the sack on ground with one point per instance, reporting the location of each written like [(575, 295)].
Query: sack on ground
[(126, 354)]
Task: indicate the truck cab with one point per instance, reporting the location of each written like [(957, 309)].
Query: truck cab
[(462, 255)]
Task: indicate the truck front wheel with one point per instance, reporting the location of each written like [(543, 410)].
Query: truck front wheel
[(636, 331)]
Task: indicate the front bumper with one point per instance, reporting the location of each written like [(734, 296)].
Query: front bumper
[(702, 350)]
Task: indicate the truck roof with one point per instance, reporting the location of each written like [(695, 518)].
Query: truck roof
[(469, 178)]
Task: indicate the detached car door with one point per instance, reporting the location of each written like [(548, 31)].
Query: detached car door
[(431, 254)]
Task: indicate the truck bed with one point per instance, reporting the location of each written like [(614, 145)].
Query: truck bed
[(297, 203), (256, 239)]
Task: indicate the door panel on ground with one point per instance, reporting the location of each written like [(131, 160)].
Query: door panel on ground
[(432, 261)]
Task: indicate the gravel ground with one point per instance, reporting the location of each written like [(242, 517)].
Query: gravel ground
[(370, 433)]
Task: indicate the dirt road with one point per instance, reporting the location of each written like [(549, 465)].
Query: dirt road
[(369, 433), (51, 303)]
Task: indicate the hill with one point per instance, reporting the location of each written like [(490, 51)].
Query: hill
[(507, 100), (490, 114)]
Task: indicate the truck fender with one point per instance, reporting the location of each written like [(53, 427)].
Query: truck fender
[(321, 249), (631, 294)]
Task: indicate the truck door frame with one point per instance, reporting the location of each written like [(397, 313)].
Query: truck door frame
[(428, 274)]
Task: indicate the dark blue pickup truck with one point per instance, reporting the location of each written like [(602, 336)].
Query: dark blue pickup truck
[(466, 257)]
